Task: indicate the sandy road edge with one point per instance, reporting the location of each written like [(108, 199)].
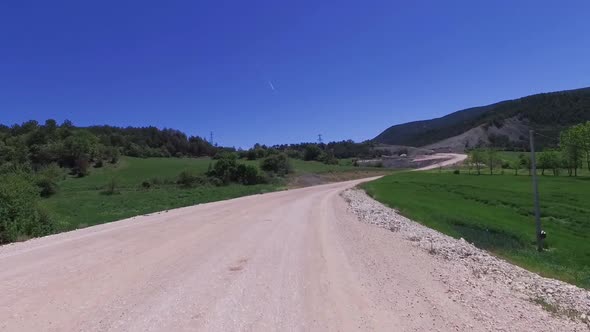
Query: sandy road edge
[(563, 300)]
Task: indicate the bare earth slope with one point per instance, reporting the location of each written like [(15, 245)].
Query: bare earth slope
[(286, 261)]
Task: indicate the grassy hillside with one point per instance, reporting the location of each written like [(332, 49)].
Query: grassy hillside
[(420, 133), (548, 113), (496, 213), (81, 202)]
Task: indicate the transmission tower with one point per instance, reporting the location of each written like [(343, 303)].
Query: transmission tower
[(320, 140)]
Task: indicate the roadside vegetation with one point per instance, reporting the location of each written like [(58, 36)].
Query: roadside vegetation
[(58, 177), (489, 202)]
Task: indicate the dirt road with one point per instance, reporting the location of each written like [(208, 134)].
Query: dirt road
[(285, 261), (447, 159)]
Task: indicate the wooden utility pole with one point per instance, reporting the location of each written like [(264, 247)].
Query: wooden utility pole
[(536, 192)]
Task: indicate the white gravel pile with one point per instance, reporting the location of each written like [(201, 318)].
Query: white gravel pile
[(485, 268)]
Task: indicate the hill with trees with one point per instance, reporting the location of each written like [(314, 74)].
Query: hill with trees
[(547, 113), (33, 145)]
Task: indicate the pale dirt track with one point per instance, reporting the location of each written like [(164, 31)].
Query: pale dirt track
[(285, 261), (447, 159)]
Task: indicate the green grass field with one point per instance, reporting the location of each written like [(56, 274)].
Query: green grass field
[(80, 202), (496, 213)]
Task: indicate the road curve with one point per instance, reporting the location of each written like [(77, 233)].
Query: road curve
[(447, 159), (286, 261)]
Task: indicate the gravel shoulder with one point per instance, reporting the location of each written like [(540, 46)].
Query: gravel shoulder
[(500, 295)]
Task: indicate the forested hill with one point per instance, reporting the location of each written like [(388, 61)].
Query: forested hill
[(76, 147), (546, 112)]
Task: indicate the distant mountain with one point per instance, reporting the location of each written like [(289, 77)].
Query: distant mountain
[(504, 124)]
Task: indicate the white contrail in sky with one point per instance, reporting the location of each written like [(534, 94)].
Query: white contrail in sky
[(271, 86)]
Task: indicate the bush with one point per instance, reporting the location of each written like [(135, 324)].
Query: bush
[(227, 170), (47, 178), (186, 179), (247, 174), (295, 154), (99, 163), (312, 152), (146, 185), (189, 179), (329, 158), (19, 214), (82, 168), (47, 186), (278, 164), (224, 169), (215, 181), (45, 224), (53, 172), (456, 171), (111, 187), (251, 154), (157, 181)]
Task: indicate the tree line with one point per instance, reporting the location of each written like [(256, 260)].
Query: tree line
[(33, 145), (573, 149), (328, 153)]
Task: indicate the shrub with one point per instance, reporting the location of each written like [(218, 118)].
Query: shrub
[(189, 179), (227, 170), (295, 154), (186, 179), (312, 152), (113, 155), (45, 224), (99, 163), (47, 186), (247, 174), (82, 168), (456, 171), (111, 187), (53, 172), (19, 214), (146, 185), (47, 178), (330, 159), (251, 154), (215, 181), (224, 169), (278, 164)]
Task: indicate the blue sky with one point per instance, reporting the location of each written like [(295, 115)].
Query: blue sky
[(346, 69)]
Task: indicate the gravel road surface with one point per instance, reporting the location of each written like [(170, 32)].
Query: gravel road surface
[(296, 260), (447, 159)]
